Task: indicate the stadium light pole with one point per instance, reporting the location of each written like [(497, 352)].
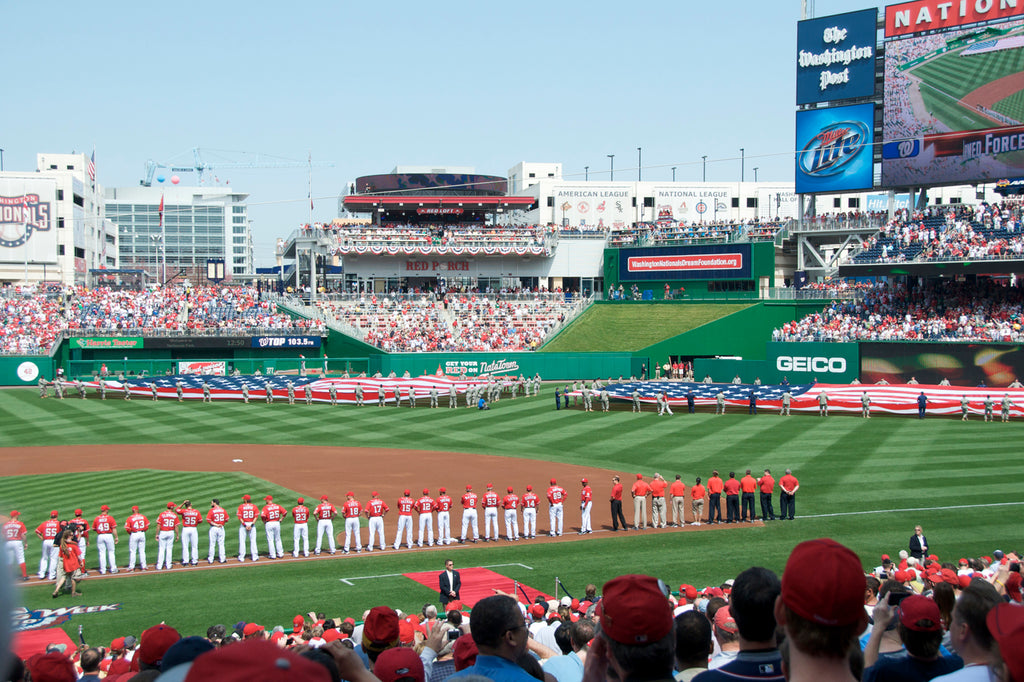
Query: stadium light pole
[(1, 160), (586, 174), (704, 168), (639, 163), (673, 173), (742, 163), (755, 173), (611, 171)]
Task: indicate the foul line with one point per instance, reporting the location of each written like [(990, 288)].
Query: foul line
[(915, 509), (348, 581)]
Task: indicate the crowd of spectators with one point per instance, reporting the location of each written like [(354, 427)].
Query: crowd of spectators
[(463, 321), (948, 233), (31, 321), (988, 310), (910, 618)]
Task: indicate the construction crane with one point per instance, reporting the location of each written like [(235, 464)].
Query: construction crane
[(199, 166)]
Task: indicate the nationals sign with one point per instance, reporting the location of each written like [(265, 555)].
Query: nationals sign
[(20, 216), (723, 261)]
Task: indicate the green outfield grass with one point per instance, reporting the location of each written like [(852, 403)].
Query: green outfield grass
[(957, 76), (610, 328), (1012, 106), (948, 110), (865, 483)]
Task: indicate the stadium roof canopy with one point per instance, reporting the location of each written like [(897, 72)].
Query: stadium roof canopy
[(364, 202)]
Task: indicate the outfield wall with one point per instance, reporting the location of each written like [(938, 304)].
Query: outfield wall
[(18, 370), (550, 366)]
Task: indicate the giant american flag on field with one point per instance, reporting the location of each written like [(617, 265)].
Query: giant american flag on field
[(892, 399), (230, 387), (899, 399)]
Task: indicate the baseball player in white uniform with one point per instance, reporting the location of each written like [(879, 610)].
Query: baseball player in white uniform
[(167, 523), (405, 505), (469, 500), (217, 517), (444, 517), (14, 543), (300, 513), (136, 525), (247, 513), (271, 515), (352, 510), (46, 532), (556, 496), (491, 502), (325, 512), (190, 520), (529, 503), (425, 507), (106, 537), (375, 510)]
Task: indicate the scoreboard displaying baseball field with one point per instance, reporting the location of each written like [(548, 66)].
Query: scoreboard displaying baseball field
[(937, 99)]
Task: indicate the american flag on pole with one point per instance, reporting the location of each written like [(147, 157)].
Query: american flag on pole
[(161, 210), (91, 168)]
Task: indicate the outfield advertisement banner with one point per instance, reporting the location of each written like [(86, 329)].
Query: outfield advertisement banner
[(833, 149), (836, 57), (953, 111), (719, 261), (286, 342), (107, 342), (834, 363), (963, 364)]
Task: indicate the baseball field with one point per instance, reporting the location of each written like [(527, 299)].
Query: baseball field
[(863, 482)]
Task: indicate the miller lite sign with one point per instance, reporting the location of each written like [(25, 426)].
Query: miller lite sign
[(20, 217), (834, 149)]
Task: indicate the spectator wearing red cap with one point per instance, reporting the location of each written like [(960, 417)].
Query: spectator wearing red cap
[(500, 633), (918, 544), (400, 664), (920, 629), (325, 513), (1006, 624), (639, 491), (136, 525), (258, 659), (821, 607), (425, 507), (14, 542), (51, 667), (636, 640), (530, 501), (381, 631), (556, 498), (405, 506), (153, 644), (748, 625)]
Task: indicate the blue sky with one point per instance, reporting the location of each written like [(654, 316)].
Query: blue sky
[(367, 86)]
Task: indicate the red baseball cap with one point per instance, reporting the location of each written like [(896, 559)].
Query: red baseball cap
[(155, 642), (529, 488), (54, 514), (268, 498), (406, 491), (1006, 623), (426, 491), (465, 652), (724, 620), (635, 610), (117, 644), (964, 581), (104, 508), (584, 481), (323, 497), (920, 614), (373, 494), (441, 490), (406, 632), (350, 494), (52, 667), (255, 659), (380, 629), (490, 485), (397, 663), (510, 488), (134, 509), (302, 500), (824, 583), (78, 512), (245, 498), (469, 487), (251, 629), (170, 505), (537, 611), (639, 476), (688, 591), (1013, 583), (552, 481), (15, 512)]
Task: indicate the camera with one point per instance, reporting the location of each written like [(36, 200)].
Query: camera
[(454, 635), (896, 597)]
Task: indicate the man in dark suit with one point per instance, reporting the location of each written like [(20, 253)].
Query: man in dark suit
[(918, 544), (449, 582)]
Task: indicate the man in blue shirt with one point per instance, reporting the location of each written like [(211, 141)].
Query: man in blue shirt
[(922, 404), (500, 633), (569, 668)]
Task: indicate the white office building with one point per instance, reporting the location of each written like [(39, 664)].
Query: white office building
[(52, 224)]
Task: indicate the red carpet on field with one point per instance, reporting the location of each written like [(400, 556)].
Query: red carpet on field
[(478, 583), (29, 642)]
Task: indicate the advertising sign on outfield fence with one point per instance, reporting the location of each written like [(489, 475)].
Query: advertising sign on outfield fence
[(714, 261), (107, 342)]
